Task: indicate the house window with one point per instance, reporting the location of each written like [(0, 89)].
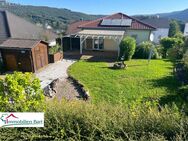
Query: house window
[(99, 43)]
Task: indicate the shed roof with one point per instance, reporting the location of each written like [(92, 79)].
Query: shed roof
[(20, 43)]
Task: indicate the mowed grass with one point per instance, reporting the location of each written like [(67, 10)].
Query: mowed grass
[(138, 82)]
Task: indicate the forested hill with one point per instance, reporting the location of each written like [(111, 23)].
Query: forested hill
[(60, 18), (55, 17)]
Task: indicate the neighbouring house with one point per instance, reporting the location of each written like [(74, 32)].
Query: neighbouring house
[(27, 55), (162, 28), (18, 38), (12, 26), (106, 33), (186, 29)]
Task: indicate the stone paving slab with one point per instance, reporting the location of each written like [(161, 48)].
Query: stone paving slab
[(54, 71)]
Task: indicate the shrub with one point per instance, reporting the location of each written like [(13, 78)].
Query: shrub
[(84, 121), (185, 59), (21, 92), (127, 48), (54, 49), (174, 28), (143, 50), (175, 53), (159, 49), (168, 43)]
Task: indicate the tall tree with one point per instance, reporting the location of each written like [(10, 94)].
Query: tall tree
[(174, 28)]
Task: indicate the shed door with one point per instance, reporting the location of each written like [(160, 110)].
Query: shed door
[(40, 56), (11, 63), (24, 63)]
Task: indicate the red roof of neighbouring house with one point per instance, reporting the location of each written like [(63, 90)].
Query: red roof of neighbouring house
[(136, 24), (73, 27)]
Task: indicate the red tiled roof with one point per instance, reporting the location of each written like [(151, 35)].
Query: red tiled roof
[(73, 27), (136, 24)]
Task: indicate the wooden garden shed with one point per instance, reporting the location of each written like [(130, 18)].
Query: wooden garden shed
[(24, 54)]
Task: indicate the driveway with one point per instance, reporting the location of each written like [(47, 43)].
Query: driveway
[(54, 71)]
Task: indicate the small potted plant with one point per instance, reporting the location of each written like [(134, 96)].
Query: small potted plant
[(55, 54)]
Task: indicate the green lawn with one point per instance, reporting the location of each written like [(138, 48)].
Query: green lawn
[(138, 82)]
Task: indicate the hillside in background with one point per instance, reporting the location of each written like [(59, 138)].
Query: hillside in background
[(43, 16), (178, 15), (58, 19)]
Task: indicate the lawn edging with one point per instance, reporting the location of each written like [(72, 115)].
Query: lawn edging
[(80, 88)]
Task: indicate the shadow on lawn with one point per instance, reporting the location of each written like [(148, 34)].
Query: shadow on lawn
[(111, 66), (101, 59), (173, 96)]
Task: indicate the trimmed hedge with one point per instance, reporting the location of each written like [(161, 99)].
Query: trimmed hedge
[(84, 121)]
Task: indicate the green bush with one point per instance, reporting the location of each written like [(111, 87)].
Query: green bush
[(159, 49), (175, 53), (84, 121), (185, 59), (174, 28), (168, 43), (21, 92), (127, 48), (54, 49), (143, 50), (185, 62)]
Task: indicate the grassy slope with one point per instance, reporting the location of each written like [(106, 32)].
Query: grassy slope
[(139, 81)]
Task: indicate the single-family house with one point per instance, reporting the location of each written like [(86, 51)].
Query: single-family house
[(106, 33), (162, 28), (23, 45)]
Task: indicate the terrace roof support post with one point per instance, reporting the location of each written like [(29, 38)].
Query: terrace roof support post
[(119, 42), (70, 43), (93, 43), (82, 40), (98, 43), (81, 48), (118, 51)]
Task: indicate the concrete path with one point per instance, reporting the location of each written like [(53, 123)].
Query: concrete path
[(54, 71)]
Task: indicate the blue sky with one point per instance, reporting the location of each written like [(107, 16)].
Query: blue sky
[(130, 7)]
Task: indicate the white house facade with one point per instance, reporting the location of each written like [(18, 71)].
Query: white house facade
[(162, 28)]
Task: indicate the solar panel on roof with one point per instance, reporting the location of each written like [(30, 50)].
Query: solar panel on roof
[(126, 22), (116, 22), (106, 22)]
